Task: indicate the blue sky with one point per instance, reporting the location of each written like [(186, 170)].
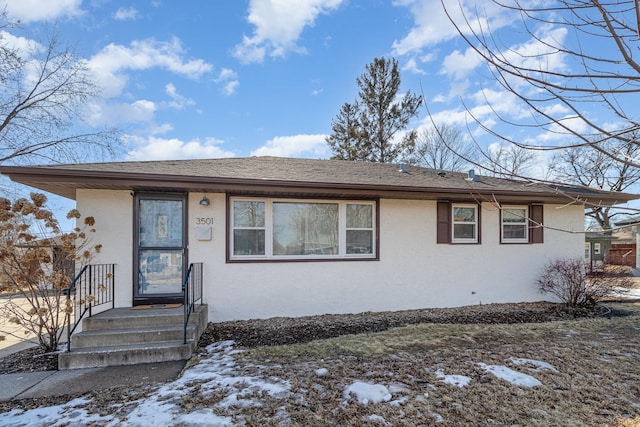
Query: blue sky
[(242, 78)]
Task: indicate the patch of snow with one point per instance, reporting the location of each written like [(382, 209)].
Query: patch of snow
[(454, 380), (540, 365), (322, 372), (511, 376), (378, 419), (58, 415), (398, 388), (399, 402), (366, 393), (437, 418), (624, 293), (215, 373)]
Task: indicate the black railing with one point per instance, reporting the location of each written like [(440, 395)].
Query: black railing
[(192, 292), (92, 287)]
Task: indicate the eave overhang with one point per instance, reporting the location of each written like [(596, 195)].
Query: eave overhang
[(65, 182)]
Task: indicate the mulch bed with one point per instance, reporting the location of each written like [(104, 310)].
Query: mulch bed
[(30, 360), (291, 330)]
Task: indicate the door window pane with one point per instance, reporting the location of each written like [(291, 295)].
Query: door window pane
[(160, 272), (160, 223)]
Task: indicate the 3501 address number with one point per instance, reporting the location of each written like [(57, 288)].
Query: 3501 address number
[(201, 220)]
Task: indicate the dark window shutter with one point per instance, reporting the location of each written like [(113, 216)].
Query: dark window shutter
[(444, 222), (536, 231), (479, 220)]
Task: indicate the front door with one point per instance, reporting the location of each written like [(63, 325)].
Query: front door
[(160, 248)]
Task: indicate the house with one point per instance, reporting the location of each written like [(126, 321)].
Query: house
[(294, 237), (629, 227), (597, 247)]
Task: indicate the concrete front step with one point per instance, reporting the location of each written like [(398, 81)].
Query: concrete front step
[(126, 336), (127, 318), (115, 337), (94, 357)]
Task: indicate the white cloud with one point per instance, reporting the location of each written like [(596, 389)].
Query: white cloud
[(412, 66), (459, 64), (26, 46), (229, 80), (229, 88), (118, 113), (39, 10), (112, 61), (153, 148), (178, 102), (432, 25), (278, 25), (311, 146), (126, 14)]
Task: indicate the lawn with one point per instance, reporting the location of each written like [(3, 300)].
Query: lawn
[(588, 369), (583, 372)]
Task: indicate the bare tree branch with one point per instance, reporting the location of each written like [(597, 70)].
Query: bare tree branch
[(44, 94)]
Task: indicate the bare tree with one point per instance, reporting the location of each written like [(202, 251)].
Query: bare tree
[(508, 160), (570, 92), (43, 91), (592, 168), (443, 147)]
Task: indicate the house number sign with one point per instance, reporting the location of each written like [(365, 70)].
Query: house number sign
[(203, 227), (202, 220)]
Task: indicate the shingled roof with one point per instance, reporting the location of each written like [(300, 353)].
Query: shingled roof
[(290, 176)]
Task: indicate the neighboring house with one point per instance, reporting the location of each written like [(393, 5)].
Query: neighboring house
[(294, 237), (630, 225), (597, 248)]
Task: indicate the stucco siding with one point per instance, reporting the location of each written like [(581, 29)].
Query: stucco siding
[(412, 272), (113, 212)]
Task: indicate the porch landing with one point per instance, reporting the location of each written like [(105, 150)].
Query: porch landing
[(127, 336)]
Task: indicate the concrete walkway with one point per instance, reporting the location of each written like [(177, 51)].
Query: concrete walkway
[(80, 381)]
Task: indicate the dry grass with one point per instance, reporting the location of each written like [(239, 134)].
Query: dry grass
[(597, 380)]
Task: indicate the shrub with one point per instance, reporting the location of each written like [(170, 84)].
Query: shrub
[(568, 280), (37, 263)]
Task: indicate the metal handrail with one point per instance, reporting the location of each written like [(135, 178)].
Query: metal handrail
[(192, 292), (92, 287)]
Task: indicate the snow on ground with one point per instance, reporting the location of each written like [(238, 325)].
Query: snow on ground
[(367, 393), (539, 365), (455, 380), (217, 372), (508, 374), (218, 377), (60, 415)]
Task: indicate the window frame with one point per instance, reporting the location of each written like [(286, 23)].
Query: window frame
[(475, 223), (525, 223), (597, 248), (269, 256)]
